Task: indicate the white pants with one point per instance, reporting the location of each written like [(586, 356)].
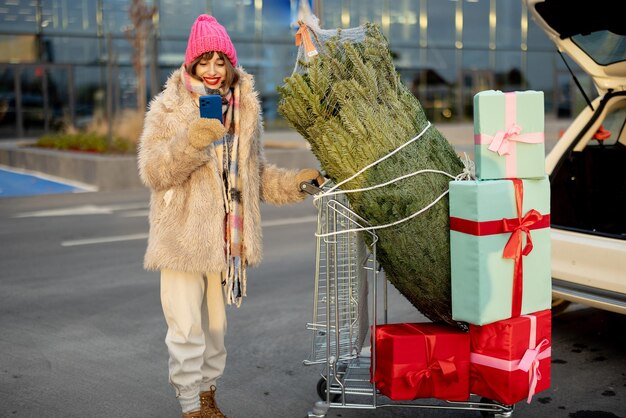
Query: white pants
[(193, 305)]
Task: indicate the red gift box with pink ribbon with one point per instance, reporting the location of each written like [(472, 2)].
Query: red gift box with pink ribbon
[(422, 360), (510, 359)]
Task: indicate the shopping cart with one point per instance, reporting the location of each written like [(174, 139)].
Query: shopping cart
[(346, 276)]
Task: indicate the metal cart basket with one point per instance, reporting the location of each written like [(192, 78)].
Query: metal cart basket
[(347, 275)]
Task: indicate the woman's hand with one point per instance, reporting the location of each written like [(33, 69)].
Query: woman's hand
[(204, 131)]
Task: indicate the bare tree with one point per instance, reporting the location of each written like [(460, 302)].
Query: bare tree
[(141, 16)]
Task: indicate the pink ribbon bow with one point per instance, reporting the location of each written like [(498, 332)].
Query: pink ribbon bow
[(502, 139), (530, 361)]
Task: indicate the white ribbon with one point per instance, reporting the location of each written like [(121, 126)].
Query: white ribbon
[(466, 174)]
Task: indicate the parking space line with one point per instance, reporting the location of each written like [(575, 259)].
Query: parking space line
[(132, 237), (103, 240)]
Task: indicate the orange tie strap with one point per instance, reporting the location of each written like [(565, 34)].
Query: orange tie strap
[(602, 134), (303, 36)]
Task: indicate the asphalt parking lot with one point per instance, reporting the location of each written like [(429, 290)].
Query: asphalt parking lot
[(82, 328)]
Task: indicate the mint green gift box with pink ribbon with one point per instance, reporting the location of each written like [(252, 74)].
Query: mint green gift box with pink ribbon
[(500, 249), (509, 134)]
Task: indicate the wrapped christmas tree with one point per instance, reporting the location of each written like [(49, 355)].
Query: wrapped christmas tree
[(367, 129)]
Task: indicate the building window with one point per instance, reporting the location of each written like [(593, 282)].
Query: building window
[(68, 16), (19, 16)]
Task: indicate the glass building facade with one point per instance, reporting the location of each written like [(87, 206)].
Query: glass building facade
[(71, 58)]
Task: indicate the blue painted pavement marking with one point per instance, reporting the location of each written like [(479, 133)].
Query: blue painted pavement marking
[(14, 183)]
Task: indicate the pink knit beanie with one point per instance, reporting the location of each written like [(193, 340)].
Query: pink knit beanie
[(208, 35)]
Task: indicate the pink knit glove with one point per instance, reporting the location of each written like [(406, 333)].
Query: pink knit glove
[(204, 131)]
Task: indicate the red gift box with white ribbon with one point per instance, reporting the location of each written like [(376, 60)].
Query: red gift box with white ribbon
[(510, 359)]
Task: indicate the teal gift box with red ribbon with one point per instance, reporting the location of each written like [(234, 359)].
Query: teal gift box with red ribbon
[(510, 359), (499, 249), (509, 134), (421, 360)]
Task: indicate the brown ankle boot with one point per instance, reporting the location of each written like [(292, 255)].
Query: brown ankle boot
[(193, 414), (209, 406)]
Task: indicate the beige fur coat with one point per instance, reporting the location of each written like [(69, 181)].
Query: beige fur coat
[(186, 205)]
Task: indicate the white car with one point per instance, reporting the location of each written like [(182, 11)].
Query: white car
[(587, 166)]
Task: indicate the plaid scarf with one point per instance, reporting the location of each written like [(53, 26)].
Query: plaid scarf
[(227, 151)]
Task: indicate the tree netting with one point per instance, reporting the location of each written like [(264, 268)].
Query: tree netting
[(348, 101)]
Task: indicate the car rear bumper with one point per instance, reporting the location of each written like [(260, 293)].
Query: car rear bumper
[(591, 296)]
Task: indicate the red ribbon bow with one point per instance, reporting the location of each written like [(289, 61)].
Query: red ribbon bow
[(518, 227), (513, 248), (446, 367)]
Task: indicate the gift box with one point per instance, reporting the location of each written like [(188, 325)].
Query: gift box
[(509, 134), (510, 359), (499, 249), (422, 360)]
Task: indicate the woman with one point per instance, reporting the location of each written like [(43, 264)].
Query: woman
[(207, 181)]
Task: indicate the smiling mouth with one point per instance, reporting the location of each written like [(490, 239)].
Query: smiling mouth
[(212, 81)]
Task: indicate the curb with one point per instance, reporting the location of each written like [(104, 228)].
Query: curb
[(102, 172), (119, 172)]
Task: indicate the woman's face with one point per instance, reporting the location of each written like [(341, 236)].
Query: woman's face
[(212, 71)]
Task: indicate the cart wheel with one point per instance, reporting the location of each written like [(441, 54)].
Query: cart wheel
[(487, 414), (321, 391)]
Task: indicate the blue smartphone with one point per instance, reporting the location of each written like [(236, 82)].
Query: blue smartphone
[(211, 107)]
